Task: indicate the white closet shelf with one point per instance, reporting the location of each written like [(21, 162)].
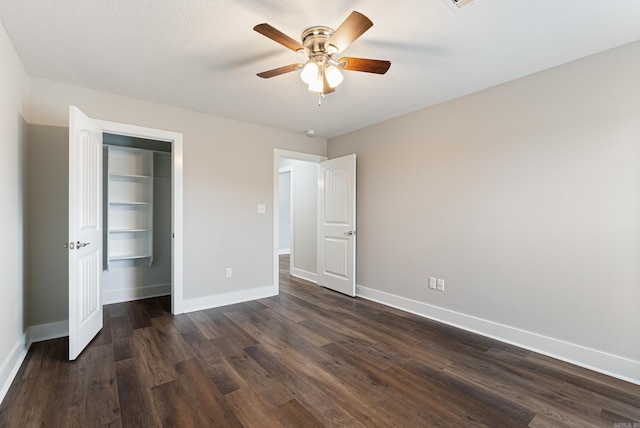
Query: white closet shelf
[(129, 177), (129, 203), (129, 230), (128, 256)]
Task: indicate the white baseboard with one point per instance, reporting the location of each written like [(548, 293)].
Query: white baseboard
[(217, 300), (52, 330), (11, 365), (309, 276), (602, 362), (283, 251), (129, 294)]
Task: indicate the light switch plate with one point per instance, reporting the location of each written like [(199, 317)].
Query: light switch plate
[(432, 282), (440, 284), (262, 208)]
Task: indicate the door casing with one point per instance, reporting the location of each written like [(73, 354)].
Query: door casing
[(177, 174)]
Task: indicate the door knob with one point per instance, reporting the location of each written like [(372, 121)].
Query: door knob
[(350, 233), (81, 244)]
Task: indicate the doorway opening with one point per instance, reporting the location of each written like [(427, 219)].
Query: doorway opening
[(302, 170), (170, 163), (330, 223)]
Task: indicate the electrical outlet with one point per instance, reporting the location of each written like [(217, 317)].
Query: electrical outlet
[(432, 282), (229, 272), (440, 284), (262, 208)]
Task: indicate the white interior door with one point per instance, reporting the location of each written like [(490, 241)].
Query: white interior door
[(337, 224), (85, 230)]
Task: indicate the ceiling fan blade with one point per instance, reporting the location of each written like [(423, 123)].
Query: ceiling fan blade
[(278, 36), (326, 88), (377, 66), (353, 27), (280, 70)]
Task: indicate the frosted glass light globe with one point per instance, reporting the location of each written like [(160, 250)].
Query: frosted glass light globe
[(317, 85), (334, 77), (309, 72)]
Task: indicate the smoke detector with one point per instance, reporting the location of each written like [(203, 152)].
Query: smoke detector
[(456, 5)]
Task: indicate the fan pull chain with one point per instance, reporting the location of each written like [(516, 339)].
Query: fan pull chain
[(320, 97)]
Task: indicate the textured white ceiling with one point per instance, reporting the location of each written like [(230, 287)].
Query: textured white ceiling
[(204, 55)]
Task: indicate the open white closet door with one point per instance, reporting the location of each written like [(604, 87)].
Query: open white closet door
[(85, 230), (337, 224)]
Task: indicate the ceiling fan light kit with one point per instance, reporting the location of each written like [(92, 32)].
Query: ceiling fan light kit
[(314, 75), (321, 72)]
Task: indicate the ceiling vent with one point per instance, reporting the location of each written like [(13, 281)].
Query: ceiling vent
[(456, 5)]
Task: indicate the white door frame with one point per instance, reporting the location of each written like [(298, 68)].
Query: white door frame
[(287, 170), (175, 138), (277, 155)]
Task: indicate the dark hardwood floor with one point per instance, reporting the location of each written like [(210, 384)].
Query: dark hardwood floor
[(308, 357)]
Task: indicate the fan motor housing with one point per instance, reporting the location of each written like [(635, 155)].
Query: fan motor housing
[(314, 39)]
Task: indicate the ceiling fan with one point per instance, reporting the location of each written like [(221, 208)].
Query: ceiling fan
[(321, 72)]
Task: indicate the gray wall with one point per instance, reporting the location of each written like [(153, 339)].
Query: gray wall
[(48, 223), (524, 197), (13, 142), (161, 219)]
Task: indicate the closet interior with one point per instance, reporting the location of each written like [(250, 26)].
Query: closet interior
[(136, 218)]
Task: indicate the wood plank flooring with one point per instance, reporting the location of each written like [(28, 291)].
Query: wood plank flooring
[(306, 358)]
